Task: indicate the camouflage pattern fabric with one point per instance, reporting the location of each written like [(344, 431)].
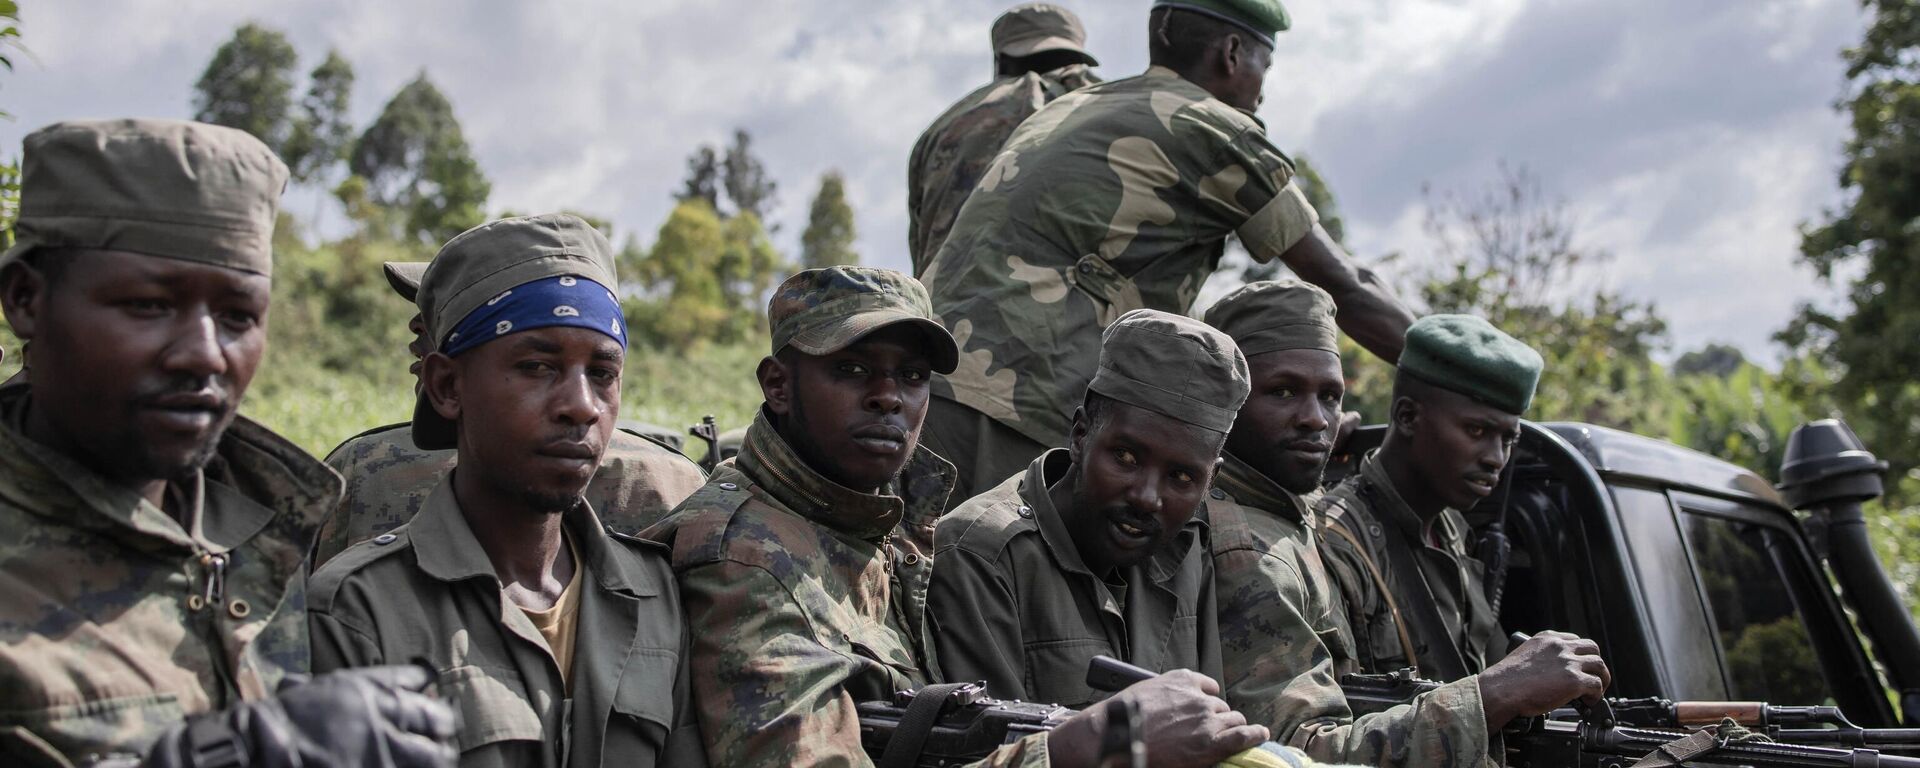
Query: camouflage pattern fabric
[(107, 632), (388, 479), (1355, 520), (805, 597), (428, 591), (1281, 647), (954, 152), (1114, 197), (1014, 605)]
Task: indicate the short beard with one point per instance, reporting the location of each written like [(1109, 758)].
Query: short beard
[(550, 503), (1303, 485)]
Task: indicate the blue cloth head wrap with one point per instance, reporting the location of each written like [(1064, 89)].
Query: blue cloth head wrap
[(565, 300)]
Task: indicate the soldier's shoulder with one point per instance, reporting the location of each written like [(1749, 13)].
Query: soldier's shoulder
[(639, 446), (362, 562), (397, 434), (1229, 524), (714, 523), (985, 524)]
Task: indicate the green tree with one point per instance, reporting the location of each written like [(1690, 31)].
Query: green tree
[(415, 159), (703, 278), (703, 178), (249, 85), (745, 178), (829, 236), (1720, 360), (321, 133)]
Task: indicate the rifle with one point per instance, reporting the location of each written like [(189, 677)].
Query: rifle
[(1633, 727), (964, 725), (709, 432)]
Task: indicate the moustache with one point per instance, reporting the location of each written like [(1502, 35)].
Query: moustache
[(1122, 513), (186, 394)]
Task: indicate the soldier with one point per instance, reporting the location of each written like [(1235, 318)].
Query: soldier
[(1278, 623), (1096, 548), (388, 477), (151, 540), (804, 560), (1039, 54), (1396, 544), (1115, 197), (558, 639)]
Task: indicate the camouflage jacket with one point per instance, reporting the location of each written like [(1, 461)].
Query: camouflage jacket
[(1014, 605), (1279, 642), (1114, 197), (805, 597), (954, 152), (428, 591), (388, 479), (116, 621), (1355, 520)]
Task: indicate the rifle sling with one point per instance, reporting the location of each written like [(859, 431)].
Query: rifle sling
[(1379, 582), (910, 736), (1448, 664)]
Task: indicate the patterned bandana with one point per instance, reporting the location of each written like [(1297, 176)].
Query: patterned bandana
[(565, 300)]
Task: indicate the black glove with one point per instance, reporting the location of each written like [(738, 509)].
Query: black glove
[(375, 716)]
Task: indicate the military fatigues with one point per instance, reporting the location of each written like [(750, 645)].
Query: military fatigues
[(954, 152), (116, 621), (1014, 605), (806, 597), (1280, 643), (1114, 197), (427, 590), (388, 479), (1356, 519)]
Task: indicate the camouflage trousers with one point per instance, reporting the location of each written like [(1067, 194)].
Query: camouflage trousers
[(984, 452)]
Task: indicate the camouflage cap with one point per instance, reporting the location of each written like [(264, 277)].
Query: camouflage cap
[(1031, 28), (1466, 354), (822, 311), (1263, 18), (1173, 365), (169, 188), (490, 259), (1272, 315), (404, 277)]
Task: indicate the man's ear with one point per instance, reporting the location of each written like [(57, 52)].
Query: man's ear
[(1233, 55), (440, 375), (1077, 436), (1406, 411), (776, 385), (23, 292)]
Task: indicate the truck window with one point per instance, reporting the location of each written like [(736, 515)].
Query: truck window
[(1765, 648)]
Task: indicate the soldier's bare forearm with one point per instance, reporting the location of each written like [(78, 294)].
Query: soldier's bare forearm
[(1369, 310)]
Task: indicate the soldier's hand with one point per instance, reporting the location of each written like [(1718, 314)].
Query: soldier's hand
[(1185, 723), (377, 716), (1543, 674)]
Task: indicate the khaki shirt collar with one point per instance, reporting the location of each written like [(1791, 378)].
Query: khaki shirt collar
[(446, 549), (773, 465), (1393, 508), (1251, 488), (1048, 468)]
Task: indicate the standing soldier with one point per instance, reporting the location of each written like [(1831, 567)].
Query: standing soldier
[(152, 540), (1116, 197), (389, 477), (559, 640), (1278, 610), (1039, 54), (804, 595)]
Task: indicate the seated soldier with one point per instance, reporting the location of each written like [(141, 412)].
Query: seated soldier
[(388, 477), (557, 639), (1277, 608), (151, 539), (1395, 542), (1096, 549), (803, 593)]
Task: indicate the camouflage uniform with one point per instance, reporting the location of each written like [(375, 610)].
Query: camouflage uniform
[(116, 621), (388, 479), (806, 597), (1280, 643), (1114, 197), (1356, 518), (1014, 604), (427, 590), (950, 157)]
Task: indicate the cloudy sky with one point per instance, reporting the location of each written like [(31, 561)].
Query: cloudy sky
[(1690, 137)]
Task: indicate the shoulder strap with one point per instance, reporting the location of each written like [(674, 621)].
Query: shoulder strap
[(1338, 527), (910, 736), (1444, 652)]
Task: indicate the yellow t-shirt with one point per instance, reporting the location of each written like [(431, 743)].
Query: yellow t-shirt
[(556, 624)]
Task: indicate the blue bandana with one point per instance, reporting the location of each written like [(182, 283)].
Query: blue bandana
[(555, 301)]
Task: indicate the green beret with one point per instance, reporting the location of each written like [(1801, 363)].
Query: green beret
[(1263, 18), (1272, 315), (822, 311), (1466, 354), (1173, 365)]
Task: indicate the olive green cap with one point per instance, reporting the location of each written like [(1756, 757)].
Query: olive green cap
[(488, 260), (1272, 315), (1173, 365), (404, 277), (1466, 354), (169, 188), (823, 311), (1031, 28), (1263, 18)]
